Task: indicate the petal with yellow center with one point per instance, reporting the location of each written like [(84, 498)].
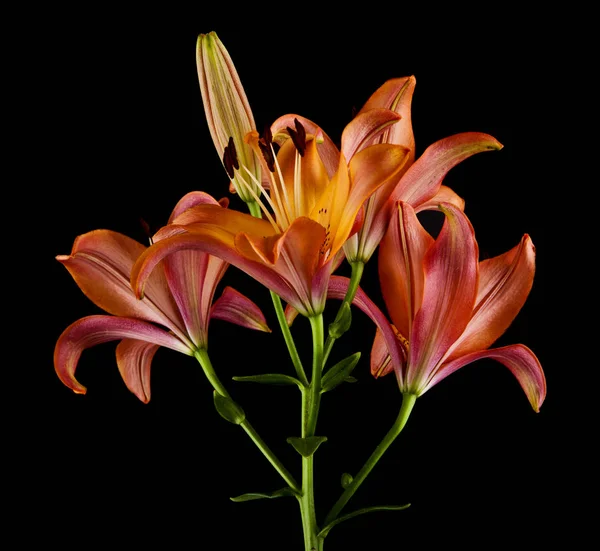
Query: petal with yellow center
[(449, 293)]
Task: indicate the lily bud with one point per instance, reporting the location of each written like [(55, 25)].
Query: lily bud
[(228, 113)]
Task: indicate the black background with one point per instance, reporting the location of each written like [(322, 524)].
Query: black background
[(121, 135)]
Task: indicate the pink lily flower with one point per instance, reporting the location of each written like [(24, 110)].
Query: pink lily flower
[(446, 307), (174, 313)]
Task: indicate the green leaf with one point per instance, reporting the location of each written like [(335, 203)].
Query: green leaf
[(270, 379), (333, 523), (339, 373), (287, 491), (306, 446), (228, 409), (342, 322)]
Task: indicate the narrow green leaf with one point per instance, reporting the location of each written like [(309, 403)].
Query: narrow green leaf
[(342, 322), (228, 409), (287, 491), (270, 379), (339, 373), (333, 523), (306, 446)]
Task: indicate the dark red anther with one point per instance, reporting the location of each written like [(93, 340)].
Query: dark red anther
[(267, 154), (230, 160), (146, 228), (298, 136), (267, 136)]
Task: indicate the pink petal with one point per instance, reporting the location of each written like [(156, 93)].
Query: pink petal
[(134, 359), (519, 359), (444, 195), (93, 330), (192, 199), (423, 179), (504, 284), (101, 262), (365, 128), (451, 272), (380, 357), (236, 308), (401, 274)]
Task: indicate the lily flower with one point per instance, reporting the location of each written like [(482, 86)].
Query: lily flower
[(227, 110), (175, 312), (308, 215), (419, 183), (446, 307)]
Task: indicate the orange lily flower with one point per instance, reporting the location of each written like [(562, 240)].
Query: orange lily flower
[(308, 214), (447, 308), (419, 182), (179, 298)]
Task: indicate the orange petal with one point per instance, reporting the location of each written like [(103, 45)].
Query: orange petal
[(401, 274), (504, 284)]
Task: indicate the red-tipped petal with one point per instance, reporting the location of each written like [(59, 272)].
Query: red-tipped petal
[(93, 330), (519, 359)]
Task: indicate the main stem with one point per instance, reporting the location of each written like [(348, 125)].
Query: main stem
[(311, 398), (408, 402), (204, 360)]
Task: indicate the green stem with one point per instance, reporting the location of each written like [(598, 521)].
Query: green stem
[(204, 360), (408, 402), (358, 267), (316, 323), (255, 211), (289, 340), (310, 410)]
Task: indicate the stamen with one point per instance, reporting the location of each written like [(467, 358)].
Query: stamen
[(298, 186), (286, 198), (146, 228), (230, 159), (298, 136), (268, 155), (260, 203)]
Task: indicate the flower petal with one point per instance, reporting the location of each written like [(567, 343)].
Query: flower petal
[(451, 272), (193, 276), (504, 284), (134, 359), (101, 262), (396, 94), (380, 357), (444, 195), (365, 128), (423, 179), (329, 153), (519, 359), (236, 308), (401, 275), (338, 285), (369, 169), (93, 330)]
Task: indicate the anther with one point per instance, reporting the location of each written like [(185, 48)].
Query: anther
[(298, 136)]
